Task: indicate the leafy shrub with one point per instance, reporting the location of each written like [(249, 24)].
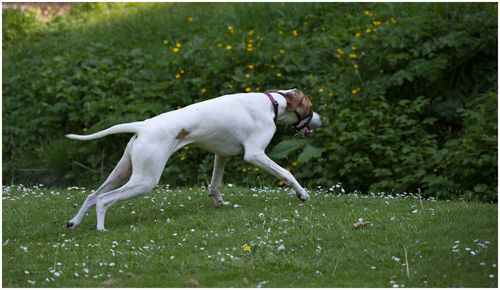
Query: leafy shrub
[(401, 87)]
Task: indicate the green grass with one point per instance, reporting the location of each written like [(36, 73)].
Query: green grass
[(169, 236)]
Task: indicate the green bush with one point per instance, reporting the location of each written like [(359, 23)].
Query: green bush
[(401, 87)]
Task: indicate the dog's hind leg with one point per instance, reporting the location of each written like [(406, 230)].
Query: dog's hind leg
[(148, 161), (216, 183), (120, 173)]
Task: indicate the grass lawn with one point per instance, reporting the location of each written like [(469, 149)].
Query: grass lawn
[(266, 238)]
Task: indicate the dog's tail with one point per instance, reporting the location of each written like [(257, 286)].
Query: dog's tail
[(121, 128)]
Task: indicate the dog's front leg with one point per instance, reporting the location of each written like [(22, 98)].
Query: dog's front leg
[(261, 160), (216, 183)]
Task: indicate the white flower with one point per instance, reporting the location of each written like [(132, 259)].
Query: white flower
[(281, 248), (261, 215)]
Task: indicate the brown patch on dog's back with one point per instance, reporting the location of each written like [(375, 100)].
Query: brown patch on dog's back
[(183, 133)]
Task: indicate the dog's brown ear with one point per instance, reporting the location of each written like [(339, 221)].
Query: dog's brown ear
[(293, 98)]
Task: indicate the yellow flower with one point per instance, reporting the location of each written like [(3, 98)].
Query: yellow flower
[(230, 27), (84, 129), (165, 42), (256, 169), (294, 163), (282, 51), (288, 168), (281, 32), (244, 170), (230, 86), (352, 55), (337, 56), (250, 45), (183, 157), (186, 148), (203, 90), (354, 92), (177, 76), (247, 75), (279, 75), (175, 49), (178, 44), (219, 45), (325, 105), (246, 249), (357, 34), (368, 30), (376, 23), (248, 90), (340, 51), (393, 20), (356, 66), (250, 49), (229, 47), (323, 28), (320, 90), (182, 71), (251, 66), (368, 13), (435, 170), (280, 183), (191, 19), (250, 32), (353, 48), (295, 33), (272, 65)]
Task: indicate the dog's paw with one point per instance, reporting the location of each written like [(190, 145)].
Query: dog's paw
[(218, 204), (303, 196), (71, 225)]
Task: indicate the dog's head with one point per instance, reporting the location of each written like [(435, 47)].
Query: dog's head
[(299, 107)]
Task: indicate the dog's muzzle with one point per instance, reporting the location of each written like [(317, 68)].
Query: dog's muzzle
[(305, 126)]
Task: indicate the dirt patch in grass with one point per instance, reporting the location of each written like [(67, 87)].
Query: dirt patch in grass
[(46, 10)]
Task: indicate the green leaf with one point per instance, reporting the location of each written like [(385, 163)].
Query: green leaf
[(282, 149), (309, 153)]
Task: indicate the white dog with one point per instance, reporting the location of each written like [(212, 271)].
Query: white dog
[(227, 125)]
